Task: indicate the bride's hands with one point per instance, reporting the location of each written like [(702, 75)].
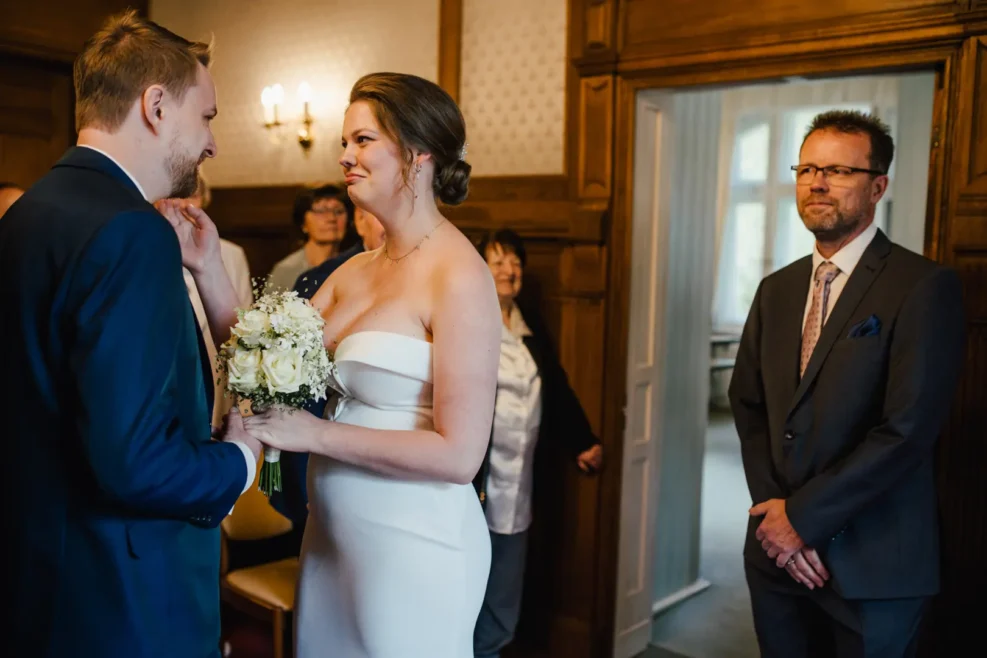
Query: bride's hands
[(197, 234), (293, 430)]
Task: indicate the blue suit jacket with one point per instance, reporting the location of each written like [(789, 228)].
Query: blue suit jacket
[(292, 500), (113, 486)]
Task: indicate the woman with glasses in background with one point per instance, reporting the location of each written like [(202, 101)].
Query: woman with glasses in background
[(324, 215)]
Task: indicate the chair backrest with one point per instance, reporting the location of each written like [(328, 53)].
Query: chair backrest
[(253, 517)]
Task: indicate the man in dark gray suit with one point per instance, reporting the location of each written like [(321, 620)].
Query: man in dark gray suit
[(844, 377)]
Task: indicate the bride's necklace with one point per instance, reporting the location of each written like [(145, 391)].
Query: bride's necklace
[(416, 247)]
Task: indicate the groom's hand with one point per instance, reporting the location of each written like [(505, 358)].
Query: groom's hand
[(233, 430), (197, 234)]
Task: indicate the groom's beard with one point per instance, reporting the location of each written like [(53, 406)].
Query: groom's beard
[(184, 174)]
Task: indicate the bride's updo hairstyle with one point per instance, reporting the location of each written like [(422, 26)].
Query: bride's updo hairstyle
[(420, 115)]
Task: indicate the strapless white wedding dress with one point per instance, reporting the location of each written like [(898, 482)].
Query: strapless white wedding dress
[(390, 567)]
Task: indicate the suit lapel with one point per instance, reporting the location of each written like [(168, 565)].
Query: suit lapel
[(867, 270)]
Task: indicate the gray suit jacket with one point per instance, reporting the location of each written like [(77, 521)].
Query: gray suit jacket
[(850, 446)]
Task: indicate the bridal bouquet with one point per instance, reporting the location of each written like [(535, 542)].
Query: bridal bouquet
[(275, 356)]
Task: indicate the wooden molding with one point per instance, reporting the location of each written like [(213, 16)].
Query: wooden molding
[(599, 25), (514, 188), (566, 221), (537, 207), (450, 45), (972, 160), (595, 162), (723, 34), (593, 30)]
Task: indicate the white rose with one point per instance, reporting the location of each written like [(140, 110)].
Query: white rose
[(243, 370), (252, 326), (283, 370), (300, 312)]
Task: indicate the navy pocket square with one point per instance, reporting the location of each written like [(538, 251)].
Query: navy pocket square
[(869, 327)]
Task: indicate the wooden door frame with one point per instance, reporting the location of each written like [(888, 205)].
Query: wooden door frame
[(941, 54)]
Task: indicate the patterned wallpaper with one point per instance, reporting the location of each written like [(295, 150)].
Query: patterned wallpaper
[(327, 43), (513, 85)]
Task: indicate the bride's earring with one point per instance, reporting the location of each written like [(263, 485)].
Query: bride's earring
[(418, 170)]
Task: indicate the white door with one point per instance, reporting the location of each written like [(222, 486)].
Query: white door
[(644, 366)]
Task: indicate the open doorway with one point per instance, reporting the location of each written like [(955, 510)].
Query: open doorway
[(713, 213)]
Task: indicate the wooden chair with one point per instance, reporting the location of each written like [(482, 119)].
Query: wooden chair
[(265, 591)]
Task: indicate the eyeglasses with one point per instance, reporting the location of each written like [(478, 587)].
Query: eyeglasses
[(837, 175), (327, 210)]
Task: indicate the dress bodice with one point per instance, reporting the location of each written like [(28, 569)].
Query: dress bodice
[(382, 380)]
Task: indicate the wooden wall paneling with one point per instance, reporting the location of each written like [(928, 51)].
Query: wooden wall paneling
[(595, 168), (591, 36), (259, 220), (962, 449), (55, 29), (537, 207), (568, 284), (675, 27), (36, 117), (599, 25), (38, 42), (593, 30), (514, 188), (967, 228), (955, 619), (938, 198), (543, 219), (450, 45)]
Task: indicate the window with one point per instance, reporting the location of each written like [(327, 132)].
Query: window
[(763, 231)]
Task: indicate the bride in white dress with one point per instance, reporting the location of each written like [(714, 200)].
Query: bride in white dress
[(396, 551)]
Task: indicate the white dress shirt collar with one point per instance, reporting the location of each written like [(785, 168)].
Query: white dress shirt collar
[(847, 258), (518, 327), (122, 168)]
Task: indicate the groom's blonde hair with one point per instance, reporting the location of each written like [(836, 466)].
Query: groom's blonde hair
[(126, 56)]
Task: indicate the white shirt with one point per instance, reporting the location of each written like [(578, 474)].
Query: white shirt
[(249, 456), (235, 264), (846, 259), (517, 417)]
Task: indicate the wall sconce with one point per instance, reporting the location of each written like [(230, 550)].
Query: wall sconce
[(305, 136), (272, 98)]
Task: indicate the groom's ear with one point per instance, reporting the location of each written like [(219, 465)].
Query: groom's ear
[(152, 107)]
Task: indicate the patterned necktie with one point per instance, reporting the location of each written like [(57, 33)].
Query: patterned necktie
[(825, 274)]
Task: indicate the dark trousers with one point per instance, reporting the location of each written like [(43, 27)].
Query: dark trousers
[(793, 623), (502, 601)]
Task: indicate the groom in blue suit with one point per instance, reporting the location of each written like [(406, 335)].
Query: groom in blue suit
[(114, 487)]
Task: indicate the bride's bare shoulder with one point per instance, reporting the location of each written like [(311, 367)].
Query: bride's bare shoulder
[(462, 268), (464, 253)]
